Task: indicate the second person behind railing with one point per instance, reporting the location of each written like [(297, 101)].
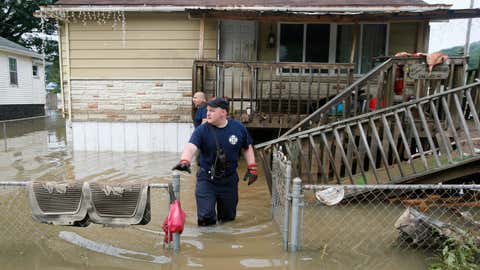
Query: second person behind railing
[(200, 103)]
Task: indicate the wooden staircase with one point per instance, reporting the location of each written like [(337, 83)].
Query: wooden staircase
[(430, 139)]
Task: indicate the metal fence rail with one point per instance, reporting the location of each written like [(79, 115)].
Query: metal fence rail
[(374, 219), (20, 232), (20, 127)]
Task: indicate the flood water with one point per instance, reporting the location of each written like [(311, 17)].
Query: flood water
[(39, 150)]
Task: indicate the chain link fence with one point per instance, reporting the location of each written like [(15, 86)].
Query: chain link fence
[(281, 178), (31, 131), (20, 233), (371, 220), (376, 218)]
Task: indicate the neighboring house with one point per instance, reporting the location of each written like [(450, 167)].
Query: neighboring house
[(127, 65), (22, 91)]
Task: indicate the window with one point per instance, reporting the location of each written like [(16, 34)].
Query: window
[(12, 63), (304, 43), (317, 43), (291, 43), (331, 43), (35, 71), (344, 43)]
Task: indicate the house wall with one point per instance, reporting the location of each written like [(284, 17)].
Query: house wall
[(265, 53), (142, 73), (28, 97), (30, 89), (404, 37), (132, 80)]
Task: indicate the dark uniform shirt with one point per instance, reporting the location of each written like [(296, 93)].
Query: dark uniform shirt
[(231, 138), (200, 114)]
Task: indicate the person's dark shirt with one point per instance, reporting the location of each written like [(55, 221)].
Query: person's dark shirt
[(200, 113), (231, 138)]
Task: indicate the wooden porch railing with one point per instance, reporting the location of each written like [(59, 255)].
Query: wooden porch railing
[(376, 89), (430, 139), (271, 94)]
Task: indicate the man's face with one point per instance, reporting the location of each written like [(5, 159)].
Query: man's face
[(216, 116), (198, 99)]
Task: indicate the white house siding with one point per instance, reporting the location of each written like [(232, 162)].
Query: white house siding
[(30, 90), (130, 136)]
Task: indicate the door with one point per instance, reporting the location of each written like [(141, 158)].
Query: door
[(237, 43)]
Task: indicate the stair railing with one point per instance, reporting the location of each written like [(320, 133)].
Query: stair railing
[(406, 142)]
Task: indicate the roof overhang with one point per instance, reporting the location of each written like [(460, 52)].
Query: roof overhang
[(20, 52), (280, 8), (328, 13), (331, 16)]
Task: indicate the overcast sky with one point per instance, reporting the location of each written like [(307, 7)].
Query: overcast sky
[(453, 33)]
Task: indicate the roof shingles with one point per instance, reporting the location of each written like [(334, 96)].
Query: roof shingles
[(12, 46)]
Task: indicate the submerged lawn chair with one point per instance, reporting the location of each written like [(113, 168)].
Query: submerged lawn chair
[(79, 204), (58, 203), (118, 204)]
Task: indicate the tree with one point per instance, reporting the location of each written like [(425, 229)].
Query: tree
[(18, 24)]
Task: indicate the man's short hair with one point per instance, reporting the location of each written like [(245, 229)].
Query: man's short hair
[(200, 94)]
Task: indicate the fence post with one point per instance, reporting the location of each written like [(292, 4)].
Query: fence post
[(296, 204), (5, 135), (176, 191), (286, 216)]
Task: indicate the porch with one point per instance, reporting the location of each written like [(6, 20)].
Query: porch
[(283, 95)]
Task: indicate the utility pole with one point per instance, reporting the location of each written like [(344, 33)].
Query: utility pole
[(469, 28)]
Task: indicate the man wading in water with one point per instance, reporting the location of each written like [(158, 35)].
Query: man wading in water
[(219, 141)]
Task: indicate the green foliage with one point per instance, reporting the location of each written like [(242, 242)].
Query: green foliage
[(53, 74), (463, 254), (474, 53), (18, 24)]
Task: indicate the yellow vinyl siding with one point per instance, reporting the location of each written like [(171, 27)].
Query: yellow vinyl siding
[(140, 54), (140, 35), (153, 46), (131, 63), (134, 73), (188, 44)]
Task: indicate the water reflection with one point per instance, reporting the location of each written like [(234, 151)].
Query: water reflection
[(252, 241), (111, 250)]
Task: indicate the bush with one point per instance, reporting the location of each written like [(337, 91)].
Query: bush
[(458, 254)]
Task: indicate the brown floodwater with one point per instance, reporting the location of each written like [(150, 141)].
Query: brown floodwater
[(39, 150)]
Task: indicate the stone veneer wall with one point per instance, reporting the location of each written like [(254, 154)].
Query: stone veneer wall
[(161, 101)]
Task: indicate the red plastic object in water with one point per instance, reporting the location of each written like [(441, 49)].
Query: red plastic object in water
[(174, 222)]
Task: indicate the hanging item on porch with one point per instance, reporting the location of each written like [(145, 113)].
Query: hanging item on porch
[(436, 59), (271, 39), (373, 104), (330, 196), (398, 86)]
